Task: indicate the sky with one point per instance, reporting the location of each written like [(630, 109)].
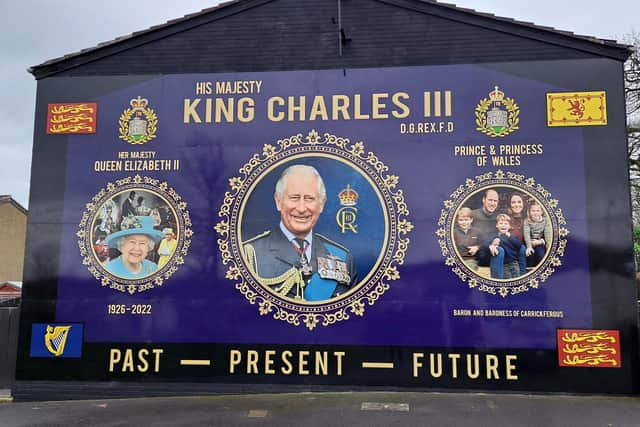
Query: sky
[(34, 31)]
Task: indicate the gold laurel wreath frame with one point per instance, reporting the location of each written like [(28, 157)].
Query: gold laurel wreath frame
[(529, 281), (152, 126), (481, 117), (333, 311), (93, 209)]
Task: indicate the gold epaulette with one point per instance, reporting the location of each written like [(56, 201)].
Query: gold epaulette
[(332, 242), (266, 233), (281, 284)]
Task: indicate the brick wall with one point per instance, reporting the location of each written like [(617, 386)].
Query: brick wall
[(13, 228)]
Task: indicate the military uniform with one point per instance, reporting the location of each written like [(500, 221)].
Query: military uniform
[(276, 264)]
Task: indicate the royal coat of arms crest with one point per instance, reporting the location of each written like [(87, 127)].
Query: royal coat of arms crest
[(497, 115), (138, 124)]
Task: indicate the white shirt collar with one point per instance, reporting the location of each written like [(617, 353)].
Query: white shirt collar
[(290, 236)]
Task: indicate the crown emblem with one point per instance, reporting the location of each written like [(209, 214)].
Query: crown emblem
[(496, 95), (139, 123), (497, 115), (138, 103), (348, 196)]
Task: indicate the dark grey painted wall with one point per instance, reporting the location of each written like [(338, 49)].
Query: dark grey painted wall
[(9, 317), (303, 34)]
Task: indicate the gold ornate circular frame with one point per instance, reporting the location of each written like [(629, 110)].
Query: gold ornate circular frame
[(526, 282), (316, 154), (184, 233), (367, 292)]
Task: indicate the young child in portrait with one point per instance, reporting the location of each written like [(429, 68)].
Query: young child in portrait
[(503, 242), (466, 237), (537, 234)]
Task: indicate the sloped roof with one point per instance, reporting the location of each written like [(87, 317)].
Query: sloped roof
[(10, 294), (11, 285), (10, 289), (5, 198), (604, 47)]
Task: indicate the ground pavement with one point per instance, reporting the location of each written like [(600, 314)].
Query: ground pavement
[(333, 409)]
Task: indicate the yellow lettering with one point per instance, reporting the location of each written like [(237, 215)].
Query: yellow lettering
[(435, 370), (473, 369), (252, 362), (454, 364), (511, 367), (246, 111), (190, 111), (340, 104), (271, 104), (268, 362), (224, 109), (404, 109), (114, 357), (436, 103), (207, 110), (143, 366), (318, 108), (128, 361), (131, 362), (377, 105), (427, 104), (417, 363), (157, 352), (339, 355), (492, 367), (447, 103), (286, 355), (293, 108), (321, 363), (357, 114), (303, 362), (234, 360)]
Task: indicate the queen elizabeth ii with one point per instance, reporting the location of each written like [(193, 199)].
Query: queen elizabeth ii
[(135, 241)]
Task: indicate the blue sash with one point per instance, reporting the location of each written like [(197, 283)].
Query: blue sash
[(319, 289)]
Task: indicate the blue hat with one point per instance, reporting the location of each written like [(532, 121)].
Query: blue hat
[(135, 225)]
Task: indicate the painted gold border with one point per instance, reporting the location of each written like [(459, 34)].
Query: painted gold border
[(184, 233), (326, 156), (512, 187), (178, 233), (368, 291), (547, 266)]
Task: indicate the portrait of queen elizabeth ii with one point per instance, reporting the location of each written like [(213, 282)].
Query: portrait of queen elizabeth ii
[(135, 241)]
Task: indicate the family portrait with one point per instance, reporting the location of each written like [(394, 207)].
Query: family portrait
[(502, 233)]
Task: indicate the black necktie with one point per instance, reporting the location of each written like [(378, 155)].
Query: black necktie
[(303, 246), (305, 268)]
